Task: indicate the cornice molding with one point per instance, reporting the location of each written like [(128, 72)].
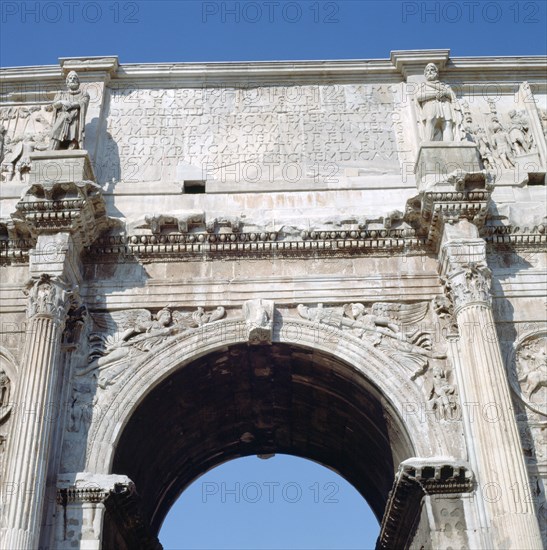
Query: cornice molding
[(507, 69)]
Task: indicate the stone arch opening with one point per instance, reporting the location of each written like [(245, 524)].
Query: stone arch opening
[(242, 400)]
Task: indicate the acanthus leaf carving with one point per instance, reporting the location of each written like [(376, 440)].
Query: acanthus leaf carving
[(469, 283), (47, 296)]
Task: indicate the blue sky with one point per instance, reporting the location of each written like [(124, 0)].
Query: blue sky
[(38, 33), (282, 502), (35, 33)]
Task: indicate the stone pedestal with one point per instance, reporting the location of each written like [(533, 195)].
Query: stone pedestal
[(438, 160), (493, 436), (54, 167)]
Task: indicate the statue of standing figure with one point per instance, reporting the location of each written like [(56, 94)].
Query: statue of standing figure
[(439, 107), (70, 108)]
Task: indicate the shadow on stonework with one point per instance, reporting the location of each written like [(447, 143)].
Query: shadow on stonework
[(523, 350), (109, 169)]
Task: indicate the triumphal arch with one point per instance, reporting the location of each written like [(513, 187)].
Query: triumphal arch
[(339, 260)]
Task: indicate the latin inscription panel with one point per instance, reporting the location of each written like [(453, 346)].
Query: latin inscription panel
[(249, 134)]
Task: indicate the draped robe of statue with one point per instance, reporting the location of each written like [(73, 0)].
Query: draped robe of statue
[(438, 104), (69, 124)]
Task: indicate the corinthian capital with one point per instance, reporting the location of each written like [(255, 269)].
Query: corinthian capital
[(48, 297), (469, 284)]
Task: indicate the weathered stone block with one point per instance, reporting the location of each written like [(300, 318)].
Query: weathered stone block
[(437, 160), (50, 167)]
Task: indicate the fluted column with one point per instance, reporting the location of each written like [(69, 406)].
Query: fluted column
[(500, 467), (36, 401)]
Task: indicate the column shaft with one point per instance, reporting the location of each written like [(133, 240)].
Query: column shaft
[(36, 412), (503, 478)]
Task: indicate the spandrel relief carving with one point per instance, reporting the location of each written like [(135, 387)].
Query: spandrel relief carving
[(121, 336), (444, 310), (398, 330), (81, 406), (75, 322)]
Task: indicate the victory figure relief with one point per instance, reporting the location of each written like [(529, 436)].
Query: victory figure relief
[(69, 108)]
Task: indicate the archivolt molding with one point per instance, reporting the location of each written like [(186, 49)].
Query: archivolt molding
[(115, 405)]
